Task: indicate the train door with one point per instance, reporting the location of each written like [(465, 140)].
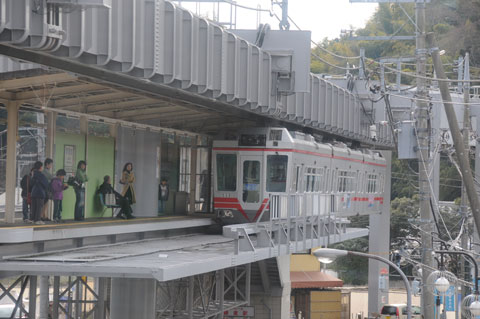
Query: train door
[(252, 185)]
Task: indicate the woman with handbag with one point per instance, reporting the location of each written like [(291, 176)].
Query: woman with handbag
[(128, 178), (80, 180), (107, 191)]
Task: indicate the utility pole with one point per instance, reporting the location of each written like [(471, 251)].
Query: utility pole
[(284, 24), (466, 141), (458, 142), (423, 131)]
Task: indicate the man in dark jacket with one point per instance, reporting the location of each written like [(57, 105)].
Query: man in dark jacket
[(26, 185), (39, 192)]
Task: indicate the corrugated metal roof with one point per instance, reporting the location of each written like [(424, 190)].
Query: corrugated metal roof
[(313, 279)]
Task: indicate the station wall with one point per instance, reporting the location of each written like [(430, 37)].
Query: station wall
[(69, 149), (74, 145), (142, 149)]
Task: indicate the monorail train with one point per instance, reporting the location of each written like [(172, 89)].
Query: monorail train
[(273, 161)]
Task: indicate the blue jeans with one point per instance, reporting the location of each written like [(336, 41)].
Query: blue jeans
[(161, 207), (57, 209), (80, 203), (25, 209)]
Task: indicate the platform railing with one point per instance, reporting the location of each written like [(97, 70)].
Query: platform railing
[(294, 222)]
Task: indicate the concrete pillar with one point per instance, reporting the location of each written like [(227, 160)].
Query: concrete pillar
[(51, 128), (133, 298), (43, 302), (11, 167), (32, 298), (193, 177), (51, 119), (379, 244), (283, 263), (101, 293), (56, 295)]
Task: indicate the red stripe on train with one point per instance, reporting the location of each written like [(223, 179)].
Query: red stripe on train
[(295, 151)]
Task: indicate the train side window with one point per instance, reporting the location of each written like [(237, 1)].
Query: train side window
[(226, 172), (308, 179), (296, 180), (333, 181), (251, 181), (327, 177), (313, 179), (372, 184), (277, 173), (359, 182)]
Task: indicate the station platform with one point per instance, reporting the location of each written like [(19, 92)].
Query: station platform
[(162, 259), (24, 233)]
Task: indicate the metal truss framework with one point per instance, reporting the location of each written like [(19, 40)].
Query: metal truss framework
[(204, 296), (201, 296), (19, 309)]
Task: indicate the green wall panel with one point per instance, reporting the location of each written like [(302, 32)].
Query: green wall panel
[(78, 141), (101, 154), (100, 162)]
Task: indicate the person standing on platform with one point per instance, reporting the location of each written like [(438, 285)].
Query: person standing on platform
[(128, 179), (80, 179), (47, 166), (58, 187), (26, 185), (163, 192), (39, 192)]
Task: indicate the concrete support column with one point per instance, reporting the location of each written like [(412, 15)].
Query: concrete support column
[(133, 298), (11, 167), (379, 244), (51, 119), (51, 128), (56, 295), (193, 178), (283, 263), (220, 290), (44, 294), (101, 293), (32, 298)]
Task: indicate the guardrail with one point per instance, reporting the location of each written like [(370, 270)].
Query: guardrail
[(296, 222)]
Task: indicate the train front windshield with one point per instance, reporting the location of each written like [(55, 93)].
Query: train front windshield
[(226, 172)]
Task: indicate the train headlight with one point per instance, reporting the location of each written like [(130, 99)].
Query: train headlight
[(228, 214)]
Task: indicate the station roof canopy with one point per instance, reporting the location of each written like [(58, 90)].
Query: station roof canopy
[(40, 88)]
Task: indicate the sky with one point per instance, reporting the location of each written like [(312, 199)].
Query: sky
[(325, 18)]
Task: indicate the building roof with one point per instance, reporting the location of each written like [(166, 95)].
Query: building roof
[(313, 279)]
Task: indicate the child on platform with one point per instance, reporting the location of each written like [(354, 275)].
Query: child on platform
[(58, 187)]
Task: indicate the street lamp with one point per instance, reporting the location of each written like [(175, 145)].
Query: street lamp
[(329, 255), (471, 303)]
